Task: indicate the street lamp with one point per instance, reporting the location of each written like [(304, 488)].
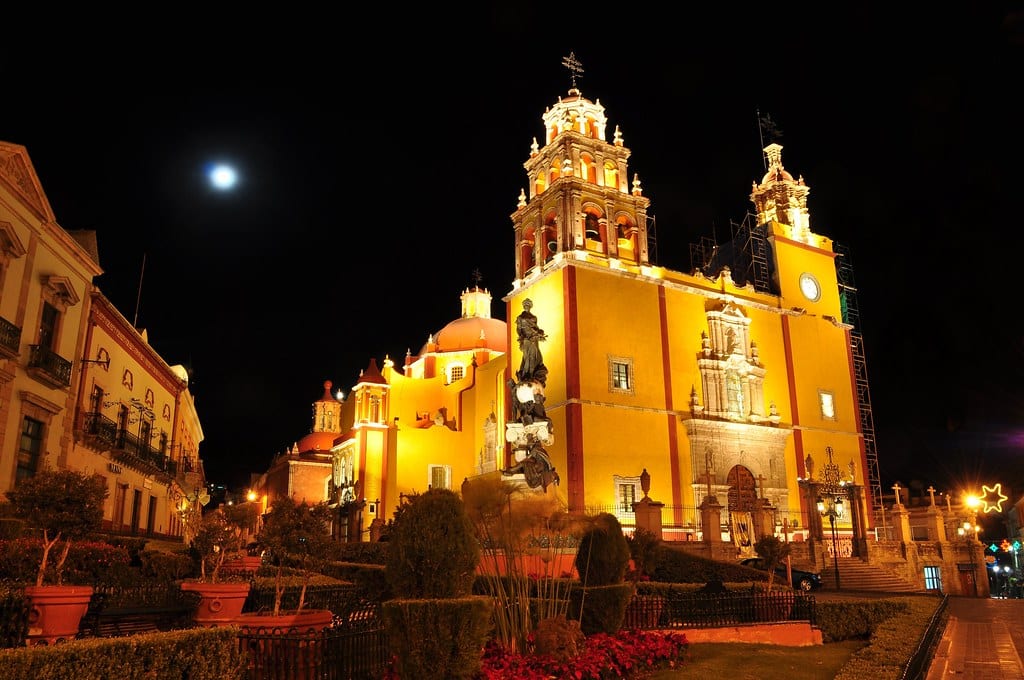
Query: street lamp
[(965, 533), (832, 507)]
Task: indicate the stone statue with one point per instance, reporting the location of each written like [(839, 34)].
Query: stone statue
[(536, 467), (532, 367)]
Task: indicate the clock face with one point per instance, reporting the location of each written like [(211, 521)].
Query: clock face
[(809, 287)]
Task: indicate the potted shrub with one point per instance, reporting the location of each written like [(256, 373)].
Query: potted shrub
[(65, 506), (293, 536), (219, 535)]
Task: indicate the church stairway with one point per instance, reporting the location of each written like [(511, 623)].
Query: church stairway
[(855, 574)]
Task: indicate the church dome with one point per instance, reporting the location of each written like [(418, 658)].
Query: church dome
[(777, 174), (471, 333), (317, 441), (474, 330)]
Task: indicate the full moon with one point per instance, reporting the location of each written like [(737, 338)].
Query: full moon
[(222, 176)]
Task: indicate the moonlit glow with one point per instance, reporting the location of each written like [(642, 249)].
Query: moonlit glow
[(222, 176)]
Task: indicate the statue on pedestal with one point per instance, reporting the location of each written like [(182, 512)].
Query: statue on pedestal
[(532, 427)]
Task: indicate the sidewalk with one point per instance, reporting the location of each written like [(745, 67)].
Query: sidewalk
[(983, 640)]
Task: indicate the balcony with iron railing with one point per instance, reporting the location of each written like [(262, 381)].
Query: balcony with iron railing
[(48, 367), (98, 431), (131, 450), (10, 339)]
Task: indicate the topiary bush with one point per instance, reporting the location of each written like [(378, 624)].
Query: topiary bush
[(433, 552), (435, 626), (603, 553)]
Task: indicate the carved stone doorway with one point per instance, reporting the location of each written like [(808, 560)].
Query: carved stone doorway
[(742, 489)]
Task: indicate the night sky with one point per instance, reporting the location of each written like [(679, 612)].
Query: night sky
[(381, 157)]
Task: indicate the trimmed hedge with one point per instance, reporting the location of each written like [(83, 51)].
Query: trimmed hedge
[(196, 654)]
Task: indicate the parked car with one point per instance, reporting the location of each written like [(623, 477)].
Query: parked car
[(802, 579)]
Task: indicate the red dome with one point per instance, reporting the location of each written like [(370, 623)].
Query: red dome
[(317, 441), (464, 334)]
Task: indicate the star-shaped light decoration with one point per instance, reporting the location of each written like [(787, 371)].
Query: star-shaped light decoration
[(993, 498)]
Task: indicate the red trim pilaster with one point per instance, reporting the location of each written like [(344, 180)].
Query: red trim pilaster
[(573, 409)]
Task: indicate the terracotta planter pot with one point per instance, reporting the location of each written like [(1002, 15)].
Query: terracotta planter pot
[(243, 565), (293, 639), (307, 619), (56, 612), (220, 603)]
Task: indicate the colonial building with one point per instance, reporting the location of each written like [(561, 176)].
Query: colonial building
[(80, 387)]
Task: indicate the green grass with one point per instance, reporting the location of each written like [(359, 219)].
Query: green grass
[(745, 661)]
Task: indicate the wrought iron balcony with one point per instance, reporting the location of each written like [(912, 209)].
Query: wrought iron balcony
[(99, 431), (131, 450), (48, 367), (10, 339)]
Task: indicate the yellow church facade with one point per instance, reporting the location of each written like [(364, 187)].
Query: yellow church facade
[(736, 381)]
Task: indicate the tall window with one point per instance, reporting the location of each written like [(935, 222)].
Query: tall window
[(96, 399), (932, 578), (440, 477), (30, 448), (627, 496), (826, 400), (620, 375), (48, 326), (627, 491)]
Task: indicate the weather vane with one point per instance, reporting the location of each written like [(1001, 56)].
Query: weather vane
[(574, 66), (477, 277)]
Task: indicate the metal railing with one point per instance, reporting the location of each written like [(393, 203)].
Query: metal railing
[(352, 648), (688, 609), (99, 429), (10, 339), (47, 365), (132, 450)]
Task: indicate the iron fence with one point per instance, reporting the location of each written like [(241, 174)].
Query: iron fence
[(352, 648), (678, 609)]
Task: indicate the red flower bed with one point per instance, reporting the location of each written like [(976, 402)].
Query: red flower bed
[(627, 654)]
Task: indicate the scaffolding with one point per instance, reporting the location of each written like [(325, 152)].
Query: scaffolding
[(746, 255), (750, 258), (851, 316)]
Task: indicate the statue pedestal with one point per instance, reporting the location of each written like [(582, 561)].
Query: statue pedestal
[(711, 520), (522, 437), (763, 517), (648, 515)]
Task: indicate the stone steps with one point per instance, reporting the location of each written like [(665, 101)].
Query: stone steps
[(855, 574)]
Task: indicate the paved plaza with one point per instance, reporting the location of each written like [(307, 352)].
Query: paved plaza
[(983, 640)]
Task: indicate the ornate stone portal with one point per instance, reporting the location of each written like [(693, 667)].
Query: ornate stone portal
[(531, 429)]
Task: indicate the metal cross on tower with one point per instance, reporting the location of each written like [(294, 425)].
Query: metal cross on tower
[(574, 66)]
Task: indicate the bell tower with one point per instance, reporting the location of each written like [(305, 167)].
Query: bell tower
[(581, 203)]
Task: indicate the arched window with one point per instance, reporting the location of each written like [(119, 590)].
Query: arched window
[(553, 173), (611, 175), (588, 168), (541, 184)]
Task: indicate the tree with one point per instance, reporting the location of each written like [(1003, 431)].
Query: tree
[(772, 550), (295, 533), (62, 504), (220, 534)]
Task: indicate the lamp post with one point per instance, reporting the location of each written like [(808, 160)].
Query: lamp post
[(832, 507), (969, 532), (830, 504)]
